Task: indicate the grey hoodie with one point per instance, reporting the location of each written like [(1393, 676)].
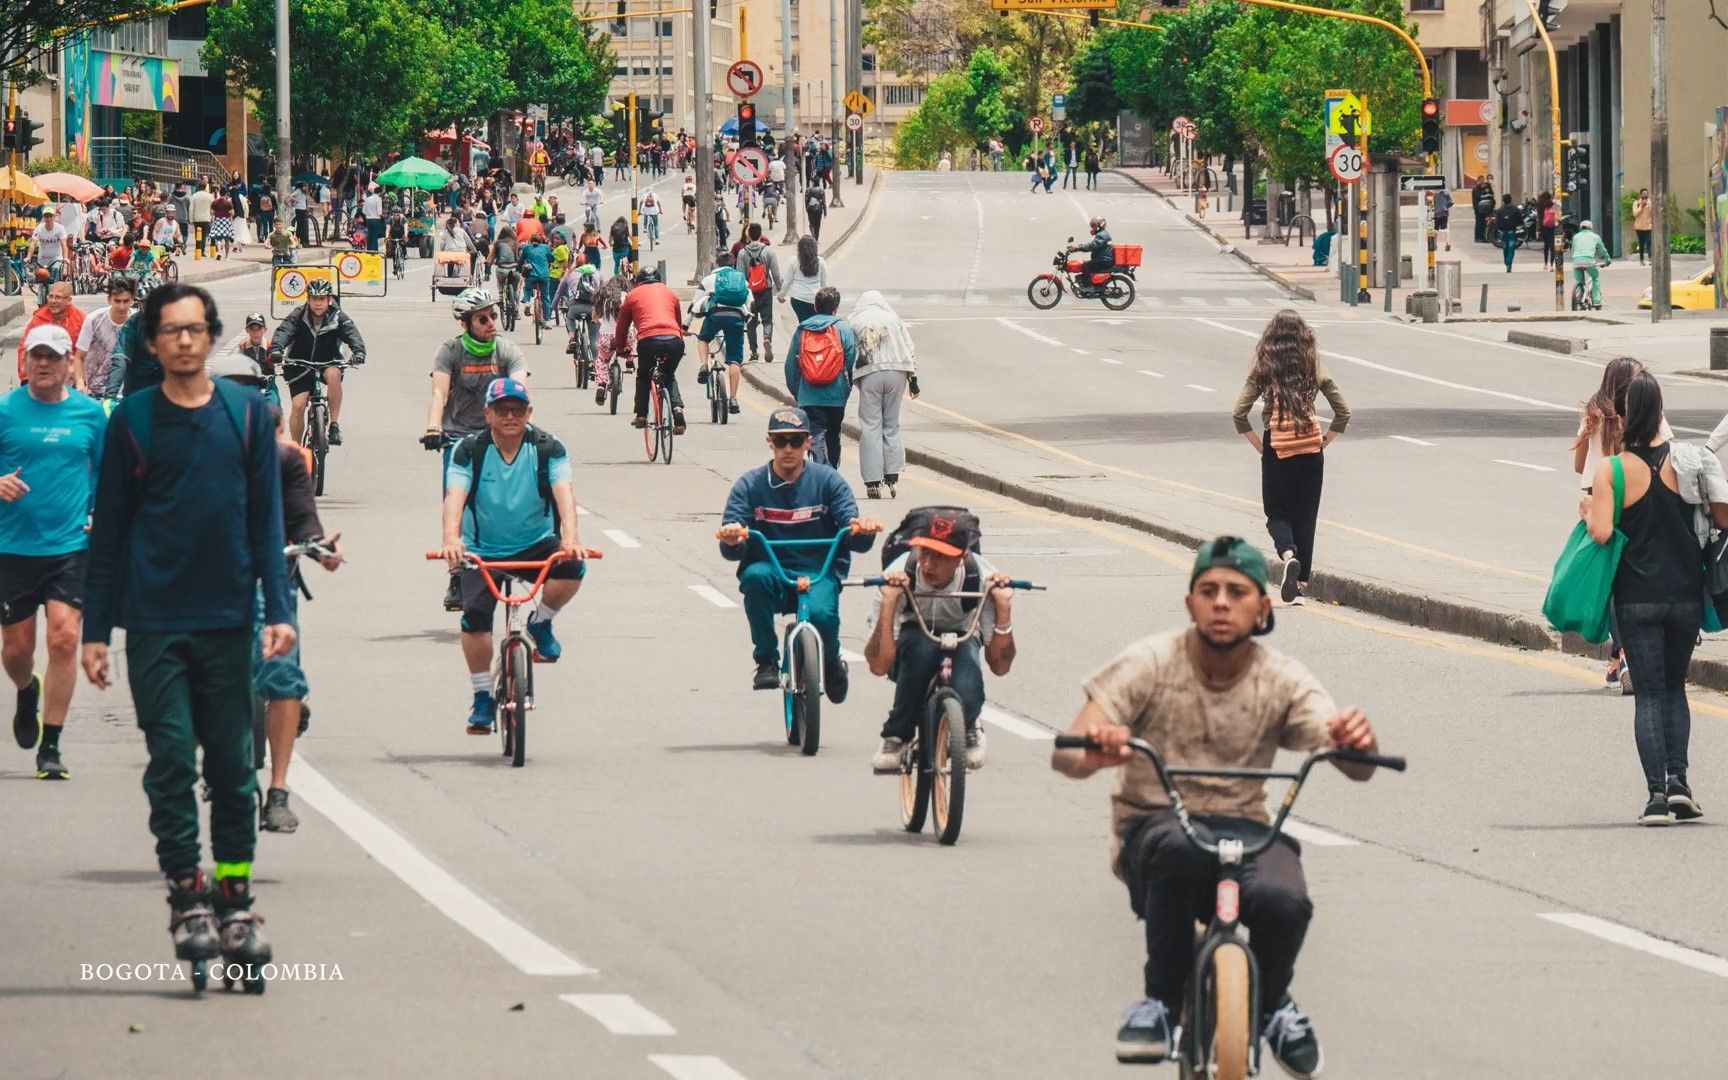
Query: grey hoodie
[(760, 252), (884, 344)]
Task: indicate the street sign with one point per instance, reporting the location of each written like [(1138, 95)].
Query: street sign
[(744, 78), (854, 122), (1346, 163), (1052, 5), (1421, 183), (858, 103), (750, 166), (1189, 131), (1350, 117), (1058, 107), (1036, 124), (1178, 124)]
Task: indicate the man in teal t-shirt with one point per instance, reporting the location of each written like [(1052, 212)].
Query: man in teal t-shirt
[(50, 453), (508, 498)]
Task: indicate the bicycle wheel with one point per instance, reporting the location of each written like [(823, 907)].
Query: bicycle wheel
[(171, 272), (722, 398), (318, 441), (806, 697), (651, 433), (260, 736), (914, 785), (581, 340), (664, 410), (539, 322), (516, 699), (510, 306), (1044, 292), (948, 778), (716, 397), (1231, 1014), (1118, 293), (616, 374)]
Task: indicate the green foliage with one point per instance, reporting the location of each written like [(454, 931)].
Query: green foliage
[(1686, 244), (141, 125), (989, 112), (939, 124), (1092, 92), (38, 166), (28, 25)]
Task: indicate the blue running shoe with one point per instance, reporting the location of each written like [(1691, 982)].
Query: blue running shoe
[(485, 712), (546, 647)]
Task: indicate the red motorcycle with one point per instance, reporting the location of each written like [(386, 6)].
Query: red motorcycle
[(1115, 288)]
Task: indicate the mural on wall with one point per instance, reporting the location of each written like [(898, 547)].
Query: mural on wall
[(123, 81), (78, 85)]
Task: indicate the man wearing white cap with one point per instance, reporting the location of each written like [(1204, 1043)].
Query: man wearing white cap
[(50, 451), (50, 243)]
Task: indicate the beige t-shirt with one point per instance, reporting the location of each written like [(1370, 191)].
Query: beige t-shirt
[(1154, 689)]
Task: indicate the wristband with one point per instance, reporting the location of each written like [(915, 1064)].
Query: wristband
[(1009, 629)]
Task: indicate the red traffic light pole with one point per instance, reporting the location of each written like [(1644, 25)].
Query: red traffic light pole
[(1430, 147)]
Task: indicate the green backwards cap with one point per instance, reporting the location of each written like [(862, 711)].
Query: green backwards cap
[(1232, 553)]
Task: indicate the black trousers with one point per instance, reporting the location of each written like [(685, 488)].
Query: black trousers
[(1172, 885), (1290, 494), (648, 350), (825, 421)]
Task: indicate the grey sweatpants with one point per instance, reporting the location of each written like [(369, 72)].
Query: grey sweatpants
[(880, 451)]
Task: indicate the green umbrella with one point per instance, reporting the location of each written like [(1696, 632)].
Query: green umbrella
[(413, 172)]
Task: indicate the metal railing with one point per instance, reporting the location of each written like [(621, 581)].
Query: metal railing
[(119, 158)]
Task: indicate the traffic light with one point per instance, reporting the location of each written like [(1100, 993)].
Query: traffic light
[(9, 134), (1430, 126), (1577, 166), (746, 124)]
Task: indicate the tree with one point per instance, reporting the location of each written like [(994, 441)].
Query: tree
[(938, 124), (1092, 91), (469, 85), (989, 113), (28, 25), (920, 39)]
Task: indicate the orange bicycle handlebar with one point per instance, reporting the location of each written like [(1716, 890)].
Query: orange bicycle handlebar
[(544, 566)]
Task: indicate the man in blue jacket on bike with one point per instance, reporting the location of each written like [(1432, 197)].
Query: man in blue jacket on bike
[(792, 499)]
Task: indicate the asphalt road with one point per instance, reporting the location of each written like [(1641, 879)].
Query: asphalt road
[(668, 889)]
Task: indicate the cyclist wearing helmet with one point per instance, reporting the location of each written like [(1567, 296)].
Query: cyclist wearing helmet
[(652, 310), (465, 366), (258, 352), (312, 334), (1103, 251)]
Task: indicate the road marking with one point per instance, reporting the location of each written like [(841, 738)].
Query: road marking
[(1081, 352), (580, 509), (1636, 939), (622, 538), (712, 595), (978, 248), (1033, 334), (1014, 725), (1522, 465), (695, 1067), (1314, 834), (851, 657), (620, 1014), (1202, 389), (1195, 301), (1412, 441), (1238, 301), (1107, 360), (527, 951)]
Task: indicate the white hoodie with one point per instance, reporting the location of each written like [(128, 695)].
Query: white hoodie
[(884, 343)]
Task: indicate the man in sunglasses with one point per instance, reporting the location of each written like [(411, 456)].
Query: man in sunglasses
[(792, 499)]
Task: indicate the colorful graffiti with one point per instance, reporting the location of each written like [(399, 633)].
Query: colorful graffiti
[(136, 82), (78, 86)]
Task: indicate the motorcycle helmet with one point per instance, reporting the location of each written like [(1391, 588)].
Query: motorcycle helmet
[(1095, 224), (472, 300), (319, 287)]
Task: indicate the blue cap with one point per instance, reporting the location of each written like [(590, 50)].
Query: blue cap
[(506, 388), (788, 418)]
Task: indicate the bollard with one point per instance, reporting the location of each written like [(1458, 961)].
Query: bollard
[(1719, 348), (1483, 309), (1391, 284)]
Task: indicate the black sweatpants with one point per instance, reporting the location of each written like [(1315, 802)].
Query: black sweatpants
[(1290, 494), (1172, 885), (825, 422)]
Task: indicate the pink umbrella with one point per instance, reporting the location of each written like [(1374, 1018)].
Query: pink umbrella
[(69, 184)]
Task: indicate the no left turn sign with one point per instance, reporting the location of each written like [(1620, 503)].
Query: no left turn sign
[(744, 78), (750, 166)]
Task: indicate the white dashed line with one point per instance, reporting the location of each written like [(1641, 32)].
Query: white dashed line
[(527, 951), (622, 538), (694, 1067), (620, 1014), (1522, 465), (1635, 939), (1081, 352), (1314, 834), (1153, 374), (1195, 301), (1033, 334), (712, 595), (1202, 389), (1107, 360), (1012, 724), (1411, 441)]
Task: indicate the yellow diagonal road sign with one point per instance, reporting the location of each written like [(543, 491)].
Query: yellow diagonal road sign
[(1351, 110)]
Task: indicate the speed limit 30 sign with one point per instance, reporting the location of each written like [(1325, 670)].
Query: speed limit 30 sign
[(1346, 163)]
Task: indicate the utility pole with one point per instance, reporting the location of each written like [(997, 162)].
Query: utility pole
[(635, 183), (855, 83), (1661, 269), (834, 18), (788, 153), (703, 45), (284, 147)]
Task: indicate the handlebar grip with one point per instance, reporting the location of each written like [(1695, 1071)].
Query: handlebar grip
[(873, 582), (1075, 742), (1383, 761), (434, 556)]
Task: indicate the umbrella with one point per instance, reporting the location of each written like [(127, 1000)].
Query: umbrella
[(730, 128), (413, 172), (309, 178), (19, 188), (71, 185)]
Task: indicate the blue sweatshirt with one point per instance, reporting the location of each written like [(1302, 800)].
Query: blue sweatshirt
[(835, 392), (184, 546), (813, 507)]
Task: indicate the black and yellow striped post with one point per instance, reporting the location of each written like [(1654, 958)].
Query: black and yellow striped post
[(629, 154), (1362, 296)]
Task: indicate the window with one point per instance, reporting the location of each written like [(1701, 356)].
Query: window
[(867, 61), (1427, 5), (620, 71), (902, 94), (663, 28)]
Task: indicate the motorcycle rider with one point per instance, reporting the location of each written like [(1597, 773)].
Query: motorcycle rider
[(1103, 251)]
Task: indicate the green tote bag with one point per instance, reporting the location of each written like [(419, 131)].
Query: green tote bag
[(1583, 583)]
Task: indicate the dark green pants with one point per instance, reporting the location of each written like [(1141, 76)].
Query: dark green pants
[(193, 690)]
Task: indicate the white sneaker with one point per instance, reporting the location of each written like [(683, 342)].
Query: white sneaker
[(887, 757), (975, 748), (1298, 600)]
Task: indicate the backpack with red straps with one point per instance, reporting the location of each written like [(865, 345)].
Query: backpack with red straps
[(821, 356)]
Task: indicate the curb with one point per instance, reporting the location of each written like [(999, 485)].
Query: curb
[(846, 233), (1493, 625), (1719, 376), (1552, 342), (1266, 272)]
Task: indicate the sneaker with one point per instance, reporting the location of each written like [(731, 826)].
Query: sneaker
[(1611, 677), (732, 407), (1292, 1040), (677, 421), (1680, 799), (335, 434), (50, 767), (975, 743), (485, 711), (276, 816), (629, 367), (1144, 1037), (837, 680), (893, 490), (1626, 680), (638, 421), (600, 396), (546, 647), (27, 721), (887, 756), (1288, 584), (1298, 600), (872, 491), (767, 675), (1657, 811), (453, 594)]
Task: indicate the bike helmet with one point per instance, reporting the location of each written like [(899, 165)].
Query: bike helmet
[(647, 275), (1095, 224), (1586, 224), (319, 287), (472, 300), (257, 319), (237, 367)]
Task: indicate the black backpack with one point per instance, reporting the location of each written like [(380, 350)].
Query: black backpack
[(470, 453)]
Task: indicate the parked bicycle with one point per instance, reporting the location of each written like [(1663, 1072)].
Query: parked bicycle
[(315, 436), (1218, 1036), (513, 671)]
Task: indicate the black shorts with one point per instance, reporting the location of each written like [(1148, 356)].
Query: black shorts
[(478, 604), (299, 380), (29, 581)]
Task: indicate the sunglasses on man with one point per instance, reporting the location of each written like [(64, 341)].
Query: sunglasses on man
[(795, 441)]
